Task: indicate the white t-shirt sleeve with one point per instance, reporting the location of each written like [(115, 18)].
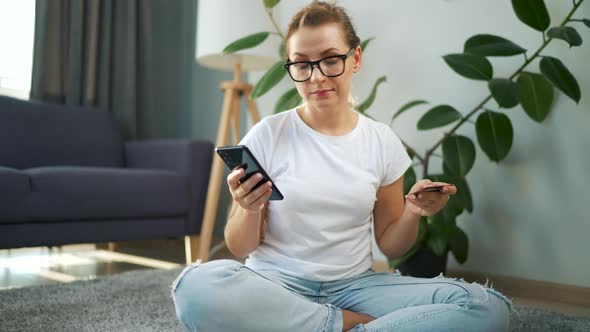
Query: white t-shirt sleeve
[(256, 140), (395, 158)]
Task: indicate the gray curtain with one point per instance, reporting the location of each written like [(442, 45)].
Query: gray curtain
[(95, 53)]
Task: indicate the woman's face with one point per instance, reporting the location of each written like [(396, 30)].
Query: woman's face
[(315, 43)]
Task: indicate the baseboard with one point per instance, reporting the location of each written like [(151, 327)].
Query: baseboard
[(519, 287)]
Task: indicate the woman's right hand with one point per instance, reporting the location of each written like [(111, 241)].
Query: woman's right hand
[(242, 193)]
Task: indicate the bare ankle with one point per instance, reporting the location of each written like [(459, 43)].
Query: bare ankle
[(352, 319)]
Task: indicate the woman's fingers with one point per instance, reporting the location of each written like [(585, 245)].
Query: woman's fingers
[(450, 190), (253, 195), (245, 187), (244, 193), (266, 191), (233, 179), (429, 204), (254, 199)]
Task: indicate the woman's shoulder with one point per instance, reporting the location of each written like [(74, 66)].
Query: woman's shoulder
[(278, 118), (269, 125), (379, 129)]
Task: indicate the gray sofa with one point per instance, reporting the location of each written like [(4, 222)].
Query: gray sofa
[(66, 176)]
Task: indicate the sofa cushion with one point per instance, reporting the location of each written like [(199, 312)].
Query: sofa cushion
[(85, 193), (15, 189), (34, 134)]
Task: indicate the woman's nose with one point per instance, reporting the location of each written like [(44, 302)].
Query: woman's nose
[(316, 74)]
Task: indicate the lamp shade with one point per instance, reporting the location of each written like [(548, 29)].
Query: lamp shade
[(221, 22)]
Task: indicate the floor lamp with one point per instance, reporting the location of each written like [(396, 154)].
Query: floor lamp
[(220, 22)]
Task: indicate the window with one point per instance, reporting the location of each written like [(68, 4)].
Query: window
[(17, 30)]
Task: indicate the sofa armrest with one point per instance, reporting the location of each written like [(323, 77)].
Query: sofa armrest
[(184, 156)]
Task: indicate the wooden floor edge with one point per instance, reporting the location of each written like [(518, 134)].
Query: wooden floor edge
[(528, 288)]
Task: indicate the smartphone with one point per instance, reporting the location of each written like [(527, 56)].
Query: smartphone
[(427, 189), (241, 156)]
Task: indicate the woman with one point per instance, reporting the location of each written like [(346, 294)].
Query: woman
[(309, 255)]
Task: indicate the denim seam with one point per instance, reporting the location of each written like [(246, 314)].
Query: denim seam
[(467, 305), (416, 319), (503, 297), (309, 293), (488, 289), (331, 324)]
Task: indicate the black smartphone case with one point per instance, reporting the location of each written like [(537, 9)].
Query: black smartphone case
[(240, 155)]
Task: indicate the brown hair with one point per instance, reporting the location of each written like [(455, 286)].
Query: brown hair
[(318, 13)]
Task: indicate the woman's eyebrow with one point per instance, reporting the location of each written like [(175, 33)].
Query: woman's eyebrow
[(324, 52)]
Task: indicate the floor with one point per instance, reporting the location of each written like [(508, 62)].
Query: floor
[(42, 265)]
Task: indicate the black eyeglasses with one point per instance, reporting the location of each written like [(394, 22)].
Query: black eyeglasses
[(331, 66)]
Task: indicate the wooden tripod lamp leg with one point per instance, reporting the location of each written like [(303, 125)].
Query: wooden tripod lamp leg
[(236, 121), (191, 247), (214, 188)]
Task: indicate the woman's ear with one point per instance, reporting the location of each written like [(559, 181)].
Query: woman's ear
[(358, 59)]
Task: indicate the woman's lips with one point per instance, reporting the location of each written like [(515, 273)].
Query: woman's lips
[(321, 93)]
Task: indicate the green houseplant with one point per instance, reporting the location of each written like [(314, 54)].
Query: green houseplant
[(440, 234)]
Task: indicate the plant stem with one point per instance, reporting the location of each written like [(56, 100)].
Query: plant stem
[(274, 23), (412, 151), (546, 42)]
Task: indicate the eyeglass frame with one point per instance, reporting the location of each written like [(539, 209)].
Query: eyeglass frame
[(317, 64)]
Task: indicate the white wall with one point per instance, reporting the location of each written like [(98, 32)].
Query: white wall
[(531, 211)]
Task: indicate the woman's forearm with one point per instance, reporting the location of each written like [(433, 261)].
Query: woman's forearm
[(242, 232), (399, 237)]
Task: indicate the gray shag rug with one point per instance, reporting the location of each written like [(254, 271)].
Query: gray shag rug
[(140, 301)]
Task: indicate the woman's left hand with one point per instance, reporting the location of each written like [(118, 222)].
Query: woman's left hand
[(429, 203)]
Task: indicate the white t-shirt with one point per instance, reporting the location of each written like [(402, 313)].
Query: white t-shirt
[(321, 231)]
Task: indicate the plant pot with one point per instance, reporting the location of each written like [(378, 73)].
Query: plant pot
[(424, 264)]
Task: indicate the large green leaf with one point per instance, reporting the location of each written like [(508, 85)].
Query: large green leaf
[(532, 13), (271, 78), (454, 206), (288, 100), (369, 101), (409, 180), (438, 116), (504, 91), (459, 244), (568, 34), (249, 41), (490, 45), (270, 3), (439, 229), (557, 73), (472, 66), (407, 106), (458, 154), (586, 21), (494, 134), (365, 43), (282, 49), (535, 94), (463, 192)]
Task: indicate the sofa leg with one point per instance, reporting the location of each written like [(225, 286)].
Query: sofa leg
[(191, 248), (112, 246)]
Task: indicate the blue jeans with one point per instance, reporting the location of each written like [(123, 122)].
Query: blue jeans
[(225, 295)]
